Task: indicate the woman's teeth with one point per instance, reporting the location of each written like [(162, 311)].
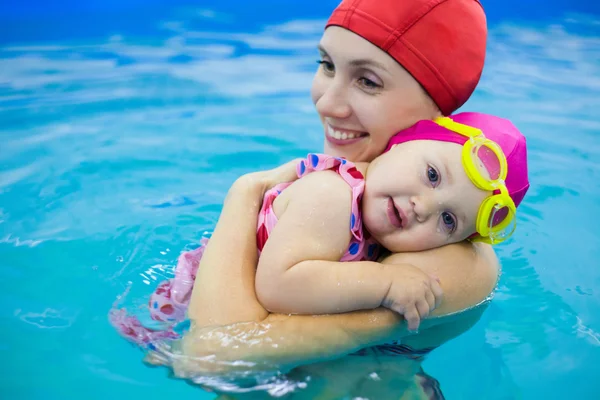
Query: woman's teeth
[(340, 135)]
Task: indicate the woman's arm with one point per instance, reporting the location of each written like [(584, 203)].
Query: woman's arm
[(281, 341), (224, 292), (468, 274), (224, 287)]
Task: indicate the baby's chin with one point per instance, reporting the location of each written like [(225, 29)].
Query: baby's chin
[(387, 239), (371, 224), (393, 245), (401, 242)]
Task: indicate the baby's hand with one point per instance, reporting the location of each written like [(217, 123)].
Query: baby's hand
[(412, 293)]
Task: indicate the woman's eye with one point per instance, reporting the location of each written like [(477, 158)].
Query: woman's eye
[(327, 65), (433, 176), (449, 221), (366, 82)]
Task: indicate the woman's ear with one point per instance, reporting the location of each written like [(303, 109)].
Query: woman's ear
[(433, 107)]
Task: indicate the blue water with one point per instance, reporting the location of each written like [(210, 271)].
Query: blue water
[(122, 125)]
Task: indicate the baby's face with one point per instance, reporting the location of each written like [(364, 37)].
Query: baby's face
[(418, 197)]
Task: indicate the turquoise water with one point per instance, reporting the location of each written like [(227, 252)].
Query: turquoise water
[(118, 149)]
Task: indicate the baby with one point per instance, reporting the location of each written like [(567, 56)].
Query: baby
[(438, 182)]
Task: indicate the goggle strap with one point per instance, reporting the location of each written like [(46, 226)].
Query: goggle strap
[(457, 127)]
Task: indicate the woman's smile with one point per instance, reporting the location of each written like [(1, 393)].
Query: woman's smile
[(341, 137)]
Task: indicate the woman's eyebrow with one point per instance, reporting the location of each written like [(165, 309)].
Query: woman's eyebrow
[(361, 62)]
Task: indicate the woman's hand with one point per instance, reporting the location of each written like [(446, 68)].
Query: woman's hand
[(272, 177)]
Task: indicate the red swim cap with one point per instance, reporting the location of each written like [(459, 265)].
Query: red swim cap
[(441, 43)]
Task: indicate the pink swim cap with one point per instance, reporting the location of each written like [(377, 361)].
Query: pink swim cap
[(502, 131)]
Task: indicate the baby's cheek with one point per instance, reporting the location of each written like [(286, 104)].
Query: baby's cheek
[(424, 238)]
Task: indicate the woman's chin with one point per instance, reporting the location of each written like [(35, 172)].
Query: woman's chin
[(350, 152), (335, 151)]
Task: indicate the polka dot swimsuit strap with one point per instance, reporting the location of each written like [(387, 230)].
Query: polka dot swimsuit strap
[(361, 247)]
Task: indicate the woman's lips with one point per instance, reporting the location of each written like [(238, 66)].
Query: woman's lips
[(395, 215), (342, 137), (342, 142)]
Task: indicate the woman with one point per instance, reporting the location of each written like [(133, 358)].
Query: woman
[(381, 71)]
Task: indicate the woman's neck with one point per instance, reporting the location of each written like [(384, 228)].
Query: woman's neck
[(362, 167)]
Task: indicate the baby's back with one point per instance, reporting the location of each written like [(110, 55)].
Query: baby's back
[(323, 203)]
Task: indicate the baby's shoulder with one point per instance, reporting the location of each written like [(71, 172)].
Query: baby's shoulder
[(320, 191), (323, 185)]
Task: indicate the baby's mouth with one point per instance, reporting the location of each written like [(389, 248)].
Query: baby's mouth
[(394, 214)]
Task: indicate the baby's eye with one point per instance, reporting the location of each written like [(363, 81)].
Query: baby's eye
[(449, 221), (433, 175)]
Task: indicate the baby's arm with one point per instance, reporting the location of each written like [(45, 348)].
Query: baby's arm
[(299, 270)]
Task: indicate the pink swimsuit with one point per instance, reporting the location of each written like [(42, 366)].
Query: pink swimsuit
[(170, 300), (361, 246)]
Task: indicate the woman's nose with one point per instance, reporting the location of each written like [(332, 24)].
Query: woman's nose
[(333, 102)]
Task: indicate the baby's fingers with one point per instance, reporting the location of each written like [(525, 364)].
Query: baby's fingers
[(412, 318), (423, 308), (436, 288), (430, 300)]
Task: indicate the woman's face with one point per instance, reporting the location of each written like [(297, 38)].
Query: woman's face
[(363, 96)]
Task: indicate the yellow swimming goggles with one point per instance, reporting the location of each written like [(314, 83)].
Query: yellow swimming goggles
[(486, 166)]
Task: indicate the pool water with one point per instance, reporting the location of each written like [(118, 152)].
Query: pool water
[(119, 142)]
